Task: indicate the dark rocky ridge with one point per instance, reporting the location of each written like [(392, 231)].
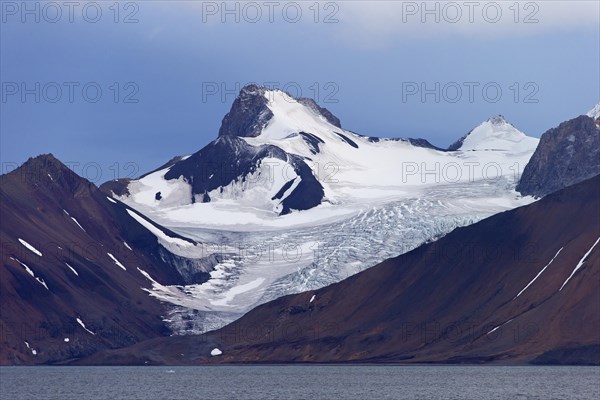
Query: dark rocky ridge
[(567, 154), (249, 113), (455, 300), (230, 158), (111, 301)]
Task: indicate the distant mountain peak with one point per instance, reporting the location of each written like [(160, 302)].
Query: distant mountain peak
[(42, 165), (251, 112), (496, 133), (594, 112), (46, 171)]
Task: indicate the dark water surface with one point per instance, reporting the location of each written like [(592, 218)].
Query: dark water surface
[(300, 382)]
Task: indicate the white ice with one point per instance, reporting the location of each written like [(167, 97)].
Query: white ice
[(71, 268), (30, 247), (78, 224), (580, 263), (30, 272), (539, 273), (80, 322), (117, 262)]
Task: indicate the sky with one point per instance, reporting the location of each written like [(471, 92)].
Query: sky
[(115, 89)]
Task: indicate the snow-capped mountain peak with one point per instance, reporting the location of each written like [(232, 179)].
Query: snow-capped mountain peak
[(272, 113), (495, 134), (276, 154), (594, 112)]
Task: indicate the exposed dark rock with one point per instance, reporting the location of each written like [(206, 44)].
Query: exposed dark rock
[(230, 158), (567, 154), (249, 113), (222, 162), (118, 187), (283, 189), (308, 194), (313, 141), (347, 140)]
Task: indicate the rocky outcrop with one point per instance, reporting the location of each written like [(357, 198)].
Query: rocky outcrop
[(249, 113), (567, 154)]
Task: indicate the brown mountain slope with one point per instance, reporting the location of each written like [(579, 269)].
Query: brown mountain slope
[(459, 299), (69, 252)]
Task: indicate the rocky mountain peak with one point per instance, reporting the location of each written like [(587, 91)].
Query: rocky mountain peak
[(47, 171), (250, 112)]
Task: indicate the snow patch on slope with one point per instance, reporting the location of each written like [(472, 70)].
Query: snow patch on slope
[(71, 268), (30, 272), (176, 192), (30, 247), (78, 224), (539, 273), (117, 262), (80, 322), (580, 263)]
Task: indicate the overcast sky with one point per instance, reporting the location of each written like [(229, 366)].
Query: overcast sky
[(168, 70)]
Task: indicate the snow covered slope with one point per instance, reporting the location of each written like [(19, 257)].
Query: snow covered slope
[(293, 202)]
